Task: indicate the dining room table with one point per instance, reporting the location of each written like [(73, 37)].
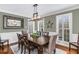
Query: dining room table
[(40, 41)]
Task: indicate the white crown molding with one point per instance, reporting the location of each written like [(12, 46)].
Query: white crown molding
[(62, 10), (1, 10)]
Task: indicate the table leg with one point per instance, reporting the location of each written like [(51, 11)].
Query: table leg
[(40, 50), (69, 46), (2, 46), (8, 44), (54, 51), (77, 50), (29, 51)]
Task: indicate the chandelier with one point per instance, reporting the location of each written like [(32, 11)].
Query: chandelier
[(35, 14)]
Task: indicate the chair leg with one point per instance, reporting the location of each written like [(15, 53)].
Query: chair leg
[(18, 46), (2, 47), (21, 48), (69, 46), (77, 50), (24, 49), (8, 44), (29, 51), (54, 51)]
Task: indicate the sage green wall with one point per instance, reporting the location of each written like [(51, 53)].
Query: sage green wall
[(52, 19), (75, 21), (11, 30)]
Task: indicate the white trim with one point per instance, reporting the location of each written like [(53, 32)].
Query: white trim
[(33, 26), (38, 25), (43, 24), (70, 26), (70, 23), (62, 10)]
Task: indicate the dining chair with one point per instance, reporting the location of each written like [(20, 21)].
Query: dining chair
[(19, 41), (45, 33), (75, 44), (27, 45), (52, 45), (24, 33)]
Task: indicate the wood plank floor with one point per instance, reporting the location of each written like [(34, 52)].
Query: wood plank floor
[(72, 51), (6, 51)]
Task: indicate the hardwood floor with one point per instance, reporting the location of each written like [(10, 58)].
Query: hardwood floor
[(72, 51), (66, 49), (6, 51)]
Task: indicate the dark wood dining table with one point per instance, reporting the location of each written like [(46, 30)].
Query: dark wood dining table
[(34, 41), (38, 45)]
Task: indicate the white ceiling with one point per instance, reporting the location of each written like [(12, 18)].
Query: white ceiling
[(27, 9)]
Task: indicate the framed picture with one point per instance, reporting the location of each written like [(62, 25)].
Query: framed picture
[(10, 22)]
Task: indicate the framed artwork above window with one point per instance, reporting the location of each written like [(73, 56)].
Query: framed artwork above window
[(10, 22)]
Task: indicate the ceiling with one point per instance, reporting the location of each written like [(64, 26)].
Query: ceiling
[(27, 9)]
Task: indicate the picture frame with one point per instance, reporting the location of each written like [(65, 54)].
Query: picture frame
[(10, 22)]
